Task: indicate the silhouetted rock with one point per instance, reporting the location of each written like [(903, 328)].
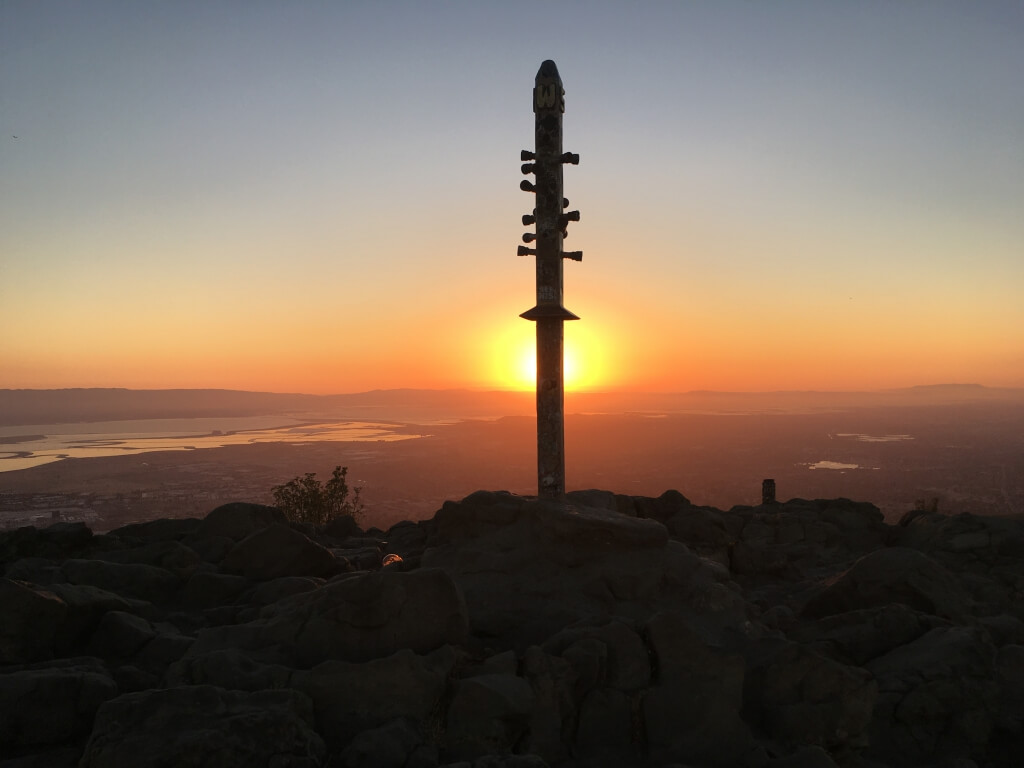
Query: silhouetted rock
[(166, 529), (603, 630), (167, 554), (937, 698), (31, 619), (800, 697), (42, 706), (858, 636), (137, 580), (893, 575), (692, 711), (238, 520), (488, 715), (59, 541), (86, 605), (204, 725), (277, 551)]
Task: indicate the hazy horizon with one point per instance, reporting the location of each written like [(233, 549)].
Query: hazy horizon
[(791, 196)]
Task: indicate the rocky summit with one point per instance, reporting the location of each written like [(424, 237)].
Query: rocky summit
[(509, 632)]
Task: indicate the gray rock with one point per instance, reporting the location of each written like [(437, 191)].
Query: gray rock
[(134, 580), (368, 616), (35, 570), (1010, 676), (856, 637), (86, 605), (59, 540), (893, 575), (206, 589), (273, 591), (937, 698), (488, 714), (164, 529), (238, 520), (805, 757), (626, 663), (121, 635), (341, 527), (54, 704), (527, 569), (277, 551), (229, 668), (605, 726), (509, 761), (1004, 629), (350, 698), (799, 697), (32, 617), (387, 746), (211, 549), (692, 711), (553, 718), (204, 725), (169, 555), (61, 757)]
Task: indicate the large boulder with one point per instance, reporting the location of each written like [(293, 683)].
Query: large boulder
[(554, 684), (893, 575), (59, 540), (86, 605), (349, 698), (386, 746), (133, 580), (986, 553), (608, 655), (52, 704), (938, 698), (692, 712), (121, 635), (204, 726), (237, 520), (856, 637), (488, 714), (793, 538), (798, 697), (163, 529), (356, 617), (277, 551), (228, 668), (208, 589), (32, 617), (529, 568), (169, 555)]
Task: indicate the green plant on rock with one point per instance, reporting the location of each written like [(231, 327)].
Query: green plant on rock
[(306, 500)]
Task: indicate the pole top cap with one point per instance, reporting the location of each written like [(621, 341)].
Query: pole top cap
[(549, 71)]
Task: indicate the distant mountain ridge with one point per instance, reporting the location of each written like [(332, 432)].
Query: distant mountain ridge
[(54, 406)]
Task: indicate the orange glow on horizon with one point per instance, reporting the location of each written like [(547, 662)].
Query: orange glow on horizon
[(513, 360)]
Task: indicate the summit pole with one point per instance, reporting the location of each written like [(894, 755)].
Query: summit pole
[(549, 314)]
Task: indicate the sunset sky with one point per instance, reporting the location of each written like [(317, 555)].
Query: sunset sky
[(323, 196)]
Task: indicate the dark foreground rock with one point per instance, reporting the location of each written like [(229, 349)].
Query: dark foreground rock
[(506, 632)]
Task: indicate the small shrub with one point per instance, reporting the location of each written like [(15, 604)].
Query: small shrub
[(306, 500)]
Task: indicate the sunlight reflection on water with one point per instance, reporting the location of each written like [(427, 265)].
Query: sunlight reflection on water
[(24, 447)]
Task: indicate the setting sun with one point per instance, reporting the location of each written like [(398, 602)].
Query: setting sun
[(513, 363)]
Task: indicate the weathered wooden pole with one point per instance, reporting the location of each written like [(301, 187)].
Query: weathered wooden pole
[(549, 314)]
